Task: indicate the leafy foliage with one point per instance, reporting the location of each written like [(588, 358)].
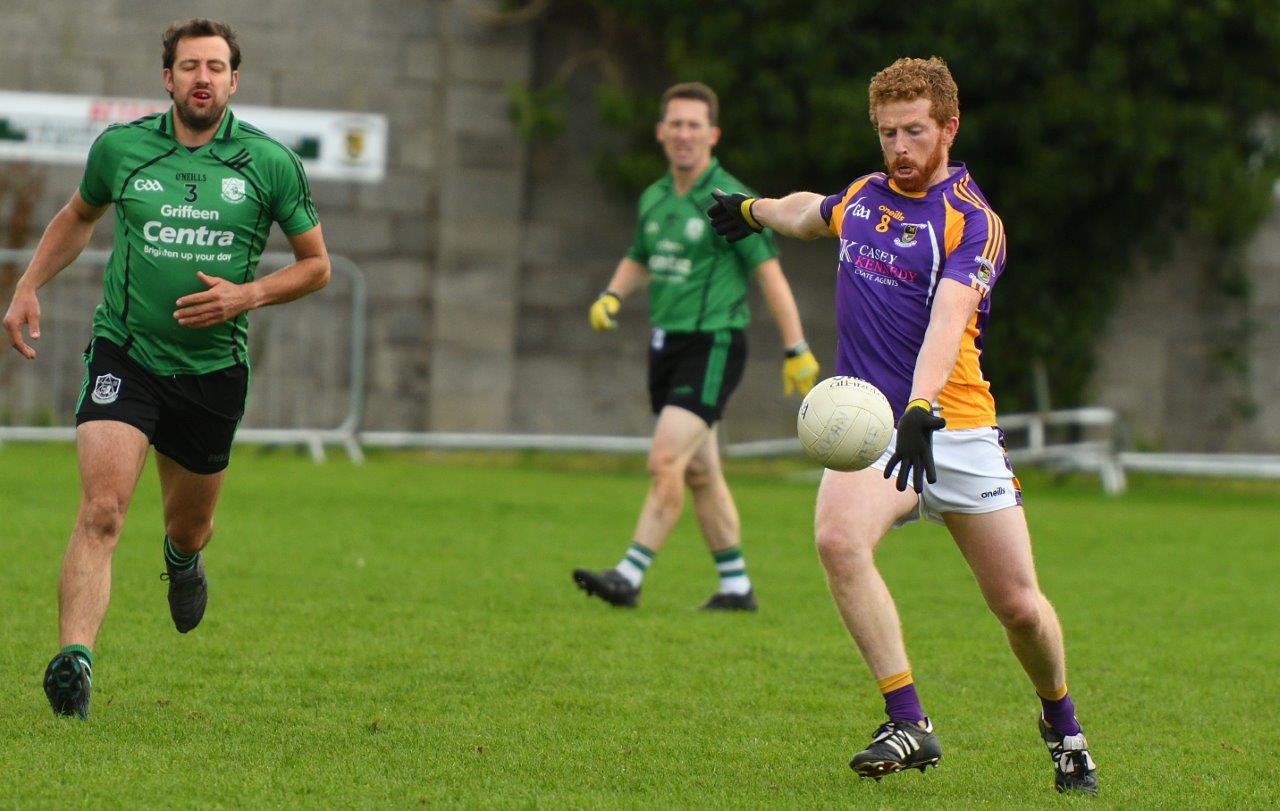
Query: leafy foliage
[(1100, 130)]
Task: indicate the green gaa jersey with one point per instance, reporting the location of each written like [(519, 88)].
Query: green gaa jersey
[(697, 280), (180, 210)]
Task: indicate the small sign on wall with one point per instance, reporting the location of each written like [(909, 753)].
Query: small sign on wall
[(57, 128)]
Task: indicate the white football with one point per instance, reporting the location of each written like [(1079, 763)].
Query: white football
[(845, 423)]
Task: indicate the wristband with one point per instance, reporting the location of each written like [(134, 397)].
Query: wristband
[(920, 403), (746, 214), (797, 350)]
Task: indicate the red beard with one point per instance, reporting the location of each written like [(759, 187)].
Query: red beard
[(920, 180)]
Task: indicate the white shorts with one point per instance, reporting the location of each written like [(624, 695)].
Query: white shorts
[(974, 475)]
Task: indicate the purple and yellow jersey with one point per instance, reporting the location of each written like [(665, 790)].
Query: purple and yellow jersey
[(895, 248)]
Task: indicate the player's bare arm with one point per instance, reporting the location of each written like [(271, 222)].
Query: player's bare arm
[(799, 366), (953, 306), (798, 215), (64, 239), (629, 277), (224, 299)]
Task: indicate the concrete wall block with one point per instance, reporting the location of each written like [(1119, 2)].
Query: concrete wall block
[(415, 235), (480, 326), (357, 235), (57, 74), (422, 59), (500, 150), (333, 196), (401, 191), (413, 149), (471, 389), (541, 244), (489, 196), (1262, 263), (479, 285), (419, 19), (491, 62), (329, 86), (564, 287), (474, 108), (398, 280)]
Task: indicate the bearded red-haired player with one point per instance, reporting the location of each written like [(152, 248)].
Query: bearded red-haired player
[(920, 249)]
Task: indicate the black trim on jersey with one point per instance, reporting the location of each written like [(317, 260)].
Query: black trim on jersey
[(128, 251), (239, 160), (224, 132), (236, 326), (303, 183), (706, 284)]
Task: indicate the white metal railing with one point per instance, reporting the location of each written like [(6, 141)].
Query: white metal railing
[(315, 439)]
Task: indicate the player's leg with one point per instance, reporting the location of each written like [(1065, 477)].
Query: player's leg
[(997, 547), (189, 502), (198, 420), (676, 438), (718, 519), (111, 455), (855, 510)]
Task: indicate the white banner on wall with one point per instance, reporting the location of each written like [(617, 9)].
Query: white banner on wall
[(55, 128)]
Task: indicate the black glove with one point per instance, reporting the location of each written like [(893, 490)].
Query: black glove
[(731, 216), (915, 445)]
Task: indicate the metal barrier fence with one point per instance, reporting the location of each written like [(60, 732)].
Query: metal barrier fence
[(307, 378), (314, 379)]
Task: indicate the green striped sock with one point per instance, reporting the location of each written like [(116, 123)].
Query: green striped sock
[(178, 560), (732, 570), (635, 562)]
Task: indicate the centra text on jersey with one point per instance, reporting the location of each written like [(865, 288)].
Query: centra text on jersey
[(155, 231)]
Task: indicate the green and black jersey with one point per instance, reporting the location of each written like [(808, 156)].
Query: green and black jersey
[(697, 280), (179, 211)]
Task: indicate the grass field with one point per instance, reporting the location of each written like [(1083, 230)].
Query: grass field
[(407, 632)]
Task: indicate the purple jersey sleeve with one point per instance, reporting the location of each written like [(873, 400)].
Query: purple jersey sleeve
[(829, 205), (974, 240)]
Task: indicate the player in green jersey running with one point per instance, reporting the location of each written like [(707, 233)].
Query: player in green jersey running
[(195, 192), (698, 309)]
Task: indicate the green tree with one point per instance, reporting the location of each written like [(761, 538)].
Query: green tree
[(1100, 129)]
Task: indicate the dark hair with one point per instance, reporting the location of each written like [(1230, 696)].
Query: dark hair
[(199, 27), (696, 91)]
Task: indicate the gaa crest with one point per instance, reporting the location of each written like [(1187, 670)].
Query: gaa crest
[(106, 389), (233, 189)]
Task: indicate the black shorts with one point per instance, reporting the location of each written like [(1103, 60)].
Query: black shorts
[(189, 418), (696, 371)]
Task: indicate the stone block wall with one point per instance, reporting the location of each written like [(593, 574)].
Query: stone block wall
[(483, 251)]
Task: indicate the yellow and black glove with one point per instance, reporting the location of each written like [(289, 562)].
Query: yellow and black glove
[(914, 451), (731, 216), (603, 311), (799, 370)]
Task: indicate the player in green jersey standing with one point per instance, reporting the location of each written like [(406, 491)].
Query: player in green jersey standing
[(195, 193), (698, 309)]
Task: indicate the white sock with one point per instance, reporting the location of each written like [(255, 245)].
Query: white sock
[(635, 562), (732, 570)]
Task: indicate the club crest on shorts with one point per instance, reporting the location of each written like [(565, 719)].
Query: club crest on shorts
[(106, 389), (233, 189)]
